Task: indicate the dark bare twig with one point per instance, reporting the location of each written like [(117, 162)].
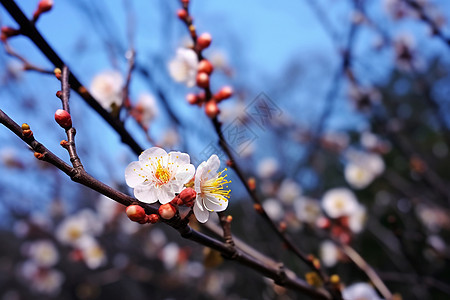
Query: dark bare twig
[(28, 29), (266, 267), (434, 27)]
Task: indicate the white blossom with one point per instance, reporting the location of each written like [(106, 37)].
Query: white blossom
[(357, 220), (360, 291), (362, 168), (147, 108), (183, 68), (274, 209), (158, 175), (339, 202), (267, 167), (211, 187), (106, 88), (93, 254), (169, 255), (329, 253), (74, 227), (288, 191), (43, 253), (307, 210)]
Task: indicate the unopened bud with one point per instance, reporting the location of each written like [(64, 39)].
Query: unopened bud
[(167, 211), (204, 40), (38, 155), (8, 32), (283, 226), (25, 126), (334, 279), (251, 183), (211, 109), (192, 98), (224, 93), (64, 143), (188, 196), (43, 6), (153, 218), (202, 80), (63, 118), (205, 66), (57, 72), (323, 223), (182, 14), (135, 213), (59, 94), (27, 133), (257, 207)]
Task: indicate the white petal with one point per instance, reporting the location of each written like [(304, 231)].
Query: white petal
[(165, 195), (202, 215), (134, 175), (185, 173), (179, 158), (146, 156), (213, 163), (212, 203), (145, 193)]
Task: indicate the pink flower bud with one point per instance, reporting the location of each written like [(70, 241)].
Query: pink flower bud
[(45, 5), (136, 213), (192, 98), (153, 218), (224, 93), (63, 118), (167, 211), (211, 109), (188, 196), (182, 14), (205, 66), (7, 32), (204, 40), (203, 80)]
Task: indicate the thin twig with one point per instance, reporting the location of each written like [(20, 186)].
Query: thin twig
[(82, 177)]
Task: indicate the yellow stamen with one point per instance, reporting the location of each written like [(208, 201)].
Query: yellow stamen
[(216, 186), (162, 174)]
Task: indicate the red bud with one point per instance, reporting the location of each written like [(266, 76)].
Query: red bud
[(205, 66), (153, 218), (188, 196), (203, 80), (192, 98), (167, 211), (182, 14), (204, 40), (63, 118), (224, 93), (211, 109), (136, 213)]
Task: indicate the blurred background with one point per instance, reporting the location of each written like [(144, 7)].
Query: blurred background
[(339, 112)]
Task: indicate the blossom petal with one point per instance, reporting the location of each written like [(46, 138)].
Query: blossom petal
[(151, 152), (213, 203), (213, 163), (185, 173), (179, 158), (165, 195), (145, 193), (201, 214), (134, 175)]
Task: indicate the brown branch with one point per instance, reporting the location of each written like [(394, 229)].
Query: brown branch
[(28, 29), (370, 272), (185, 231), (223, 144)]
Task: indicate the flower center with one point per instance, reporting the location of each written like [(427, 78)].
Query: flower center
[(162, 174), (216, 186)]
